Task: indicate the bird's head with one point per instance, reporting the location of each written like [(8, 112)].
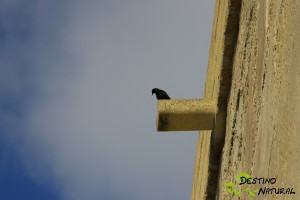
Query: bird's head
[(155, 90), (160, 94)]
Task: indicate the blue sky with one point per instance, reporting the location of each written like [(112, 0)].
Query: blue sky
[(76, 111)]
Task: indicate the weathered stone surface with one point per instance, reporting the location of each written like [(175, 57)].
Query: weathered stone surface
[(185, 115), (263, 108), (218, 82), (263, 115)]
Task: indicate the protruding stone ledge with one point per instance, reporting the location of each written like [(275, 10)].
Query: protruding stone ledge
[(185, 115)]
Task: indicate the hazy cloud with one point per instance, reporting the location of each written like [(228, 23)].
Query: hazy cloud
[(81, 75)]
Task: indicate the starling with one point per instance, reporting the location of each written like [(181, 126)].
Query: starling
[(160, 94)]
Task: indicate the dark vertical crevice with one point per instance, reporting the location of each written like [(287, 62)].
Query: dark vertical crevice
[(230, 41)]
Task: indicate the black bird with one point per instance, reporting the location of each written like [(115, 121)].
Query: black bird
[(160, 94)]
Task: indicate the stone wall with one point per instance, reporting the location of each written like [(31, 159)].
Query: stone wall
[(263, 115), (254, 78)]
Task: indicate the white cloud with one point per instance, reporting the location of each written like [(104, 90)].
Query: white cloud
[(90, 125)]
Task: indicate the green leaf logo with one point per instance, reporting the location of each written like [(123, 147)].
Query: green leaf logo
[(242, 174), (236, 192), (229, 190), (230, 186)]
